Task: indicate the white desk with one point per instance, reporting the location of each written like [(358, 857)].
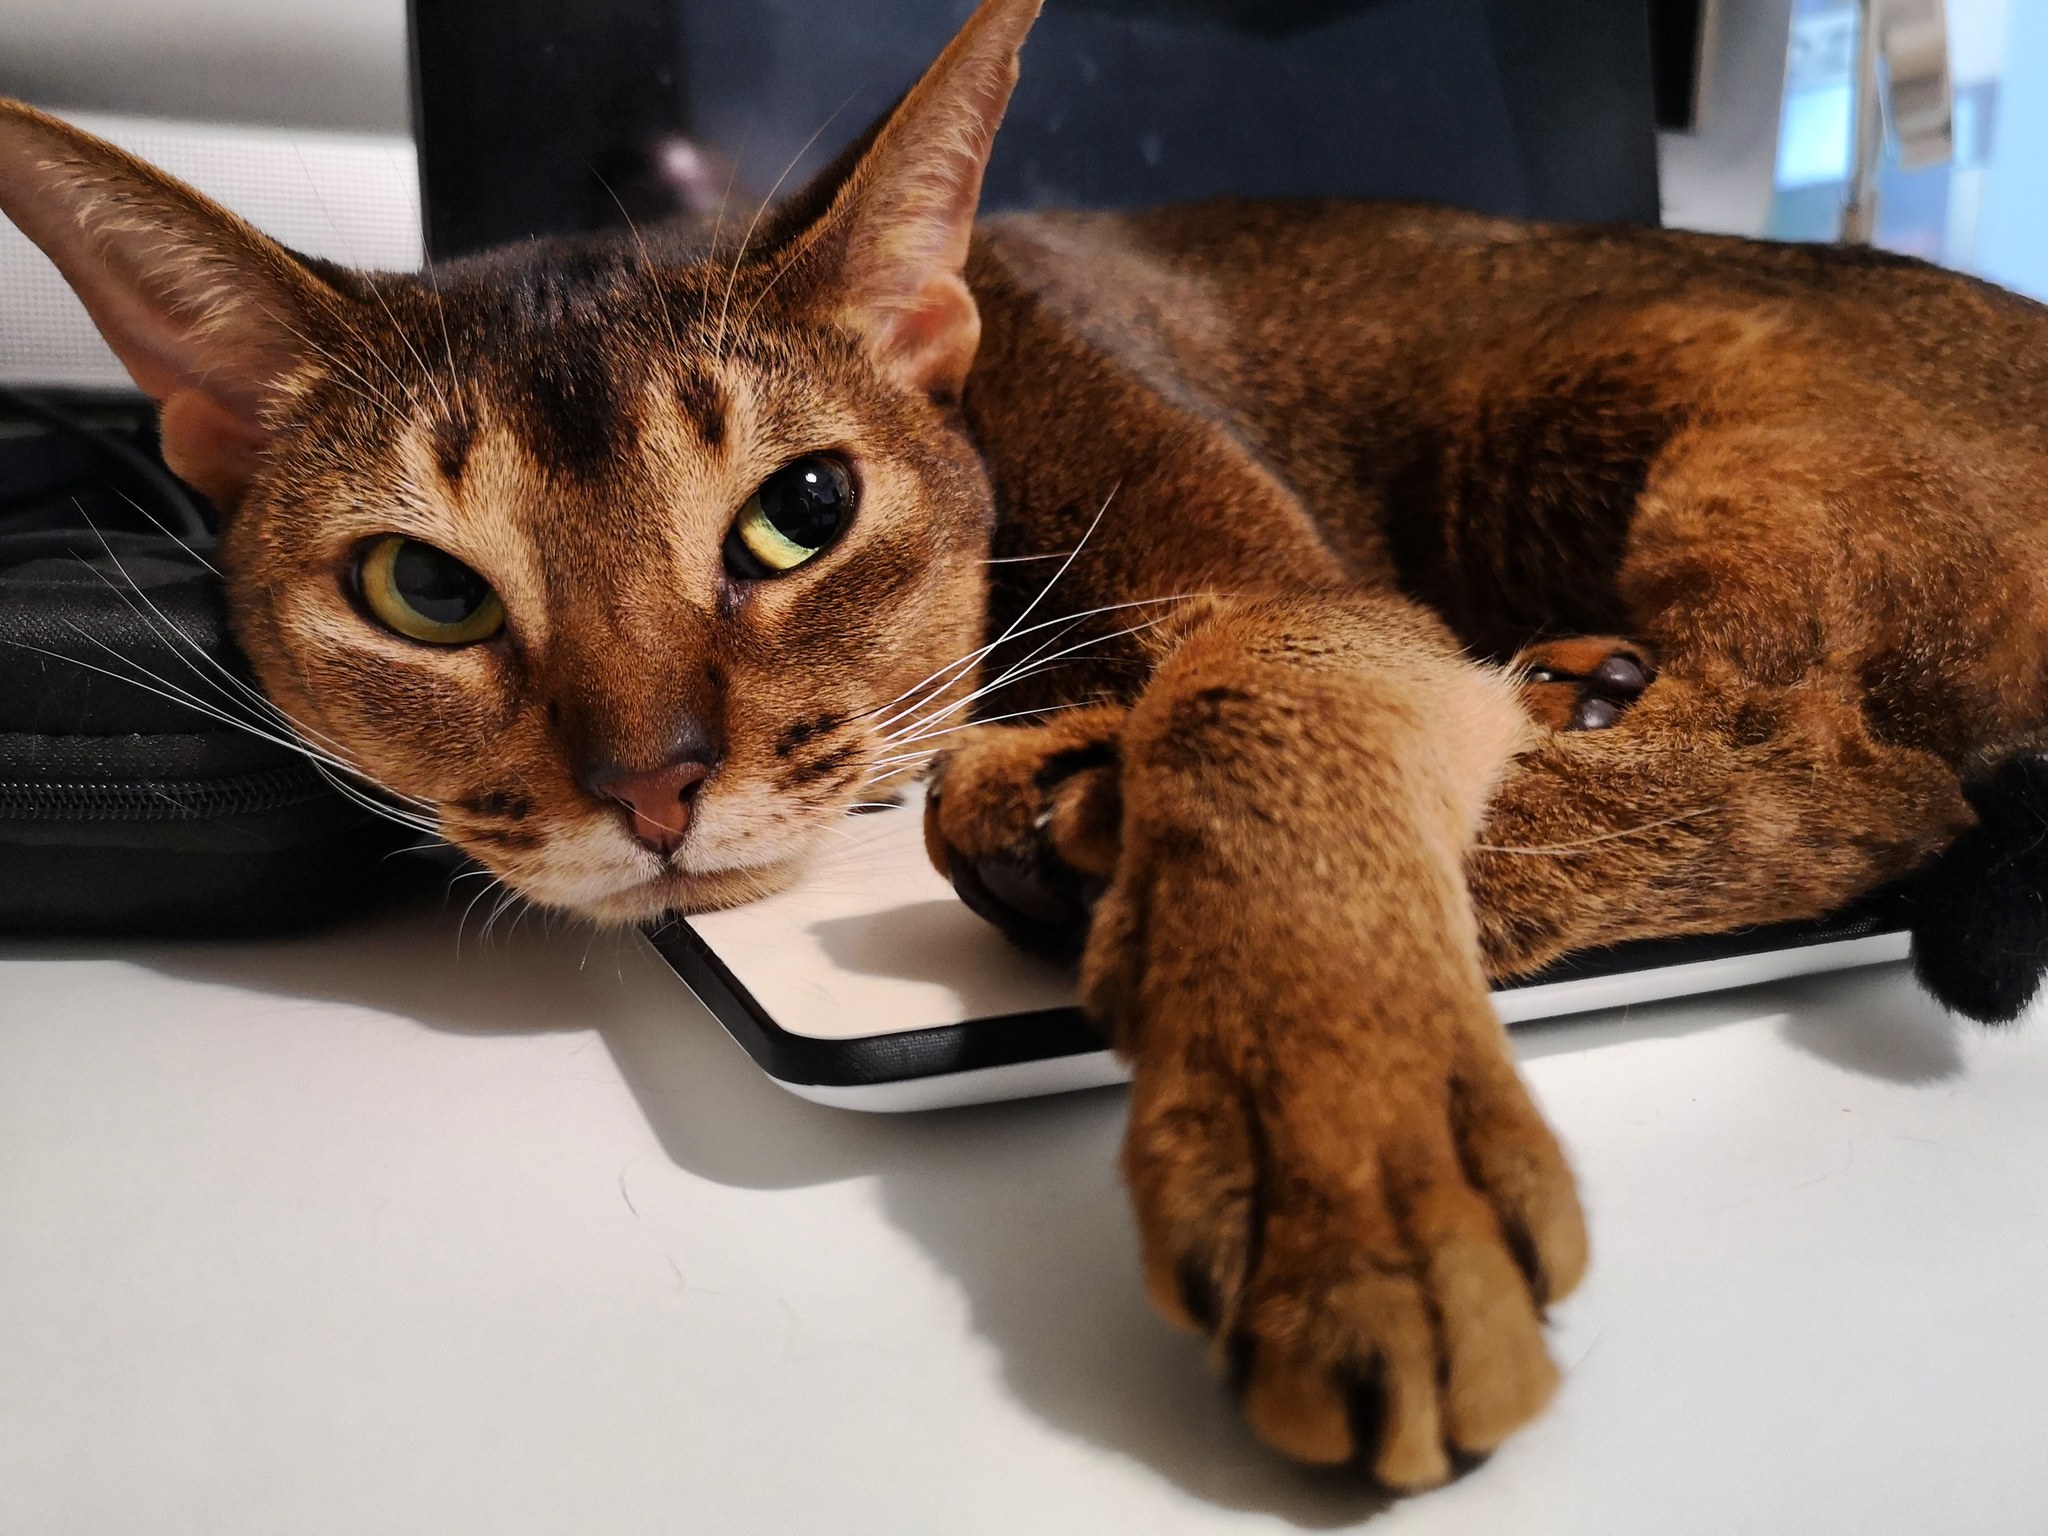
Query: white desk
[(361, 1235)]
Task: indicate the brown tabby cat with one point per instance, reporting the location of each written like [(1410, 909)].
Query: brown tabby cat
[(629, 561)]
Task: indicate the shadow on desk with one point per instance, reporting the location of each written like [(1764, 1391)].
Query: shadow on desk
[(1019, 1201)]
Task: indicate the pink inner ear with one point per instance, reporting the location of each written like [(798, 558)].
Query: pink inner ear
[(210, 379), (215, 450), (931, 340), (205, 312)]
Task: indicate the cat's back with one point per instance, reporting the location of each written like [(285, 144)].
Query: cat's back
[(1385, 304), (1418, 378)]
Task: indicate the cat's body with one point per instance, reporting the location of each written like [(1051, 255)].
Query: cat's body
[(632, 564), (1805, 472), (1471, 411)]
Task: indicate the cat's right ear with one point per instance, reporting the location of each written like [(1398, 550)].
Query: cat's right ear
[(207, 315), (894, 233)]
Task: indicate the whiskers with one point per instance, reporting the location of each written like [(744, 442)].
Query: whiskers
[(507, 900), (907, 726), (740, 256), (1551, 850), (214, 691)]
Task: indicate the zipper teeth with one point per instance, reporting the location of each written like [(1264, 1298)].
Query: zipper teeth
[(162, 800)]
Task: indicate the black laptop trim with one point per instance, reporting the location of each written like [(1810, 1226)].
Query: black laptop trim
[(1050, 1033)]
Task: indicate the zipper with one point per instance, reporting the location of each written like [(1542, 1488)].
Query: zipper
[(245, 794)]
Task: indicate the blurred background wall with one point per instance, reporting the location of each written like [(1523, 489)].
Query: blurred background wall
[(1769, 155), (328, 64)]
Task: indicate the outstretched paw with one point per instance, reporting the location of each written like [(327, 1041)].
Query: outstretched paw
[(1371, 1259), (1026, 823), (1584, 683)]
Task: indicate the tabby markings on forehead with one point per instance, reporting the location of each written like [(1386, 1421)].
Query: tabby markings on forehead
[(477, 518), (567, 403), (452, 434), (705, 404), (687, 488)]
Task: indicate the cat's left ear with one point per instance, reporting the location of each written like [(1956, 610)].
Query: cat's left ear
[(896, 230), (209, 317)]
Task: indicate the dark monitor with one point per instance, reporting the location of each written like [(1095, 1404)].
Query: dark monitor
[(546, 116)]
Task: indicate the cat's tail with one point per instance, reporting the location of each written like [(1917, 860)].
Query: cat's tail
[(1980, 907)]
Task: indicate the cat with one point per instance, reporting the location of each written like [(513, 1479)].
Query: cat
[(1395, 598)]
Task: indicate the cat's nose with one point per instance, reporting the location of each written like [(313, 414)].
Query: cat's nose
[(658, 804)]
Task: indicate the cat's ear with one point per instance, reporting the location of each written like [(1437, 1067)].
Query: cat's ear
[(895, 231), (207, 315)]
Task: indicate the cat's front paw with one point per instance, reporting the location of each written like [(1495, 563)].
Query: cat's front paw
[(1025, 822), (1369, 1242)]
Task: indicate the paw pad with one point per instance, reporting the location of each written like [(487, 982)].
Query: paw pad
[(1583, 685)]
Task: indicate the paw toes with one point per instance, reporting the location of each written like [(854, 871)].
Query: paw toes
[(1039, 903), (1497, 1373), (1296, 1408), (1582, 684), (1083, 823), (1347, 1369), (1187, 1160), (1513, 1160), (1374, 1296), (1025, 822)]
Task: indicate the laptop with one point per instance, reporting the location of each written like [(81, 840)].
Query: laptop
[(869, 985)]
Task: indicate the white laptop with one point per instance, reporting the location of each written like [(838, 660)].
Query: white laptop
[(870, 986)]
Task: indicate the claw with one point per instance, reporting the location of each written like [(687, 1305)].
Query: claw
[(1367, 1408)]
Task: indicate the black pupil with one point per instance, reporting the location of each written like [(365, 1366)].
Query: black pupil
[(804, 501), (436, 587)]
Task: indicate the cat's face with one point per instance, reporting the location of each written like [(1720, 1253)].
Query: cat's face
[(629, 547), (633, 564)]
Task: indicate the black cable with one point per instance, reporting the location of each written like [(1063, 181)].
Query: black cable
[(173, 496)]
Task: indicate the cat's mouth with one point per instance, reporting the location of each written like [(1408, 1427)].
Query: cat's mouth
[(674, 892), (589, 875), (743, 841)]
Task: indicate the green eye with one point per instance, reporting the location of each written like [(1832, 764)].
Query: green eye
[(415, 590), (795, 515)]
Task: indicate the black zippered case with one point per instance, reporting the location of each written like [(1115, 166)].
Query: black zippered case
[(142, 790)]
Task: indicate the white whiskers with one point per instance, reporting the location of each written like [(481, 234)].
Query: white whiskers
[(740, 257), (231, 696), (914, 719)]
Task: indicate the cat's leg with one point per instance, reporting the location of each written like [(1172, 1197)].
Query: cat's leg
[(1338, 1176), (1714, 803), (1037, 811), (1830, 662)]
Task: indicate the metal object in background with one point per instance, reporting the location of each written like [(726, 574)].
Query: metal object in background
[(1909, 40), (1684, 35)]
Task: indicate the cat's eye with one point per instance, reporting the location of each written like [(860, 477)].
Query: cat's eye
[(423, 594), (794, 517)]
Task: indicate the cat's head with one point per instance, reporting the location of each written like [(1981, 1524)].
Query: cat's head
[(634, 563)]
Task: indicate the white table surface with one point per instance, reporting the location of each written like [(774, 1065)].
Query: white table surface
[(368, 1234)]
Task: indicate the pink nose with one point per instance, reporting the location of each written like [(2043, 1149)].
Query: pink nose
[(658, 805)]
